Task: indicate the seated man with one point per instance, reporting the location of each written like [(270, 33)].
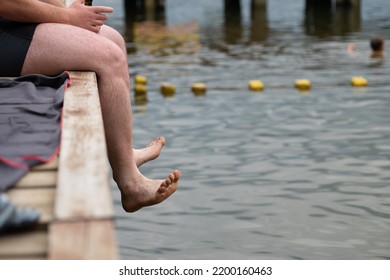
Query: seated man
[(44, 37)]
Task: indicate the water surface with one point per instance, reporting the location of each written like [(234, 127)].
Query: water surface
[(280, 174)]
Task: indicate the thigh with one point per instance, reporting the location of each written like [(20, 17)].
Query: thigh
[(59, 47)]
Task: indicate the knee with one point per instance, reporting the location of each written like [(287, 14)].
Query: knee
[(112, 62), (112, 57), (113, 35)]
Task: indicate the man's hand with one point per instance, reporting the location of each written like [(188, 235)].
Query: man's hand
[(90, 18)]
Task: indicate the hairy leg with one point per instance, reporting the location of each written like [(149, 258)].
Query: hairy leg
[(51, 52), (153, 149)]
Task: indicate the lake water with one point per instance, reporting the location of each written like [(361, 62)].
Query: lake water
[(278, 174)]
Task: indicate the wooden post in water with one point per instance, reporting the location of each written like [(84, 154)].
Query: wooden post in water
[(316, 3), (258, 3), (318, 18), (142, 10), (355, 3), (153, 10), (150, 9), (232, 21), (130, 7), (323, 19), (347, 18), (259, 20), (338, 2)]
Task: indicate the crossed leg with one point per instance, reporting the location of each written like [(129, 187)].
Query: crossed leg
[(51, 52)]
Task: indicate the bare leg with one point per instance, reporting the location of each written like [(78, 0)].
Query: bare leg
[(51, 52), (153, 149)]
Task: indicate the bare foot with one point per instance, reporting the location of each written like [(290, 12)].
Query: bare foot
[(147, 192), (152, 151)]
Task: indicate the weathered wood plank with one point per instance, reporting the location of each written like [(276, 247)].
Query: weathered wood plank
[(24, 245), (86, 240), (40, 256), (41, 179), (83, 189), (41, 199), (52, 165)]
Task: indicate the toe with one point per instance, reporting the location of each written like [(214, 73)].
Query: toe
[(168, 181), (177, 174)]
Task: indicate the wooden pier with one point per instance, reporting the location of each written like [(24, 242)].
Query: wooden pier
[(73, 192), (149, 7), (322, 17)]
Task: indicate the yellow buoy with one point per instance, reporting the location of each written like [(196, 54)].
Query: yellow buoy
[(168, 89), (140, 80), (199, 88), (140, 100), (140, 89), (256, 85), (303, 84), (359, 82)]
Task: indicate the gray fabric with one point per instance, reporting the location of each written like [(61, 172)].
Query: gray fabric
[(30, 116)]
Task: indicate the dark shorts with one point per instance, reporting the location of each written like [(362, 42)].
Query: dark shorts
[(15, 40)]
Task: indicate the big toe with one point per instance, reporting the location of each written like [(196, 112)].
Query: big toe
[(157, 141)]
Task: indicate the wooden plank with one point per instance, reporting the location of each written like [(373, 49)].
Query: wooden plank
[(52, 165), (41, 199), (86, 240), (40, 256), (83, 188), (24, 245), (41, 179)]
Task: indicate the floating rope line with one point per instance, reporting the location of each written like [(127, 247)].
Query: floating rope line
[(168, 89)]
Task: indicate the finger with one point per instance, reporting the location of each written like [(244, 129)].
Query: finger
[(95, 28), (101, 17), (102, 9), (98, 22)]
